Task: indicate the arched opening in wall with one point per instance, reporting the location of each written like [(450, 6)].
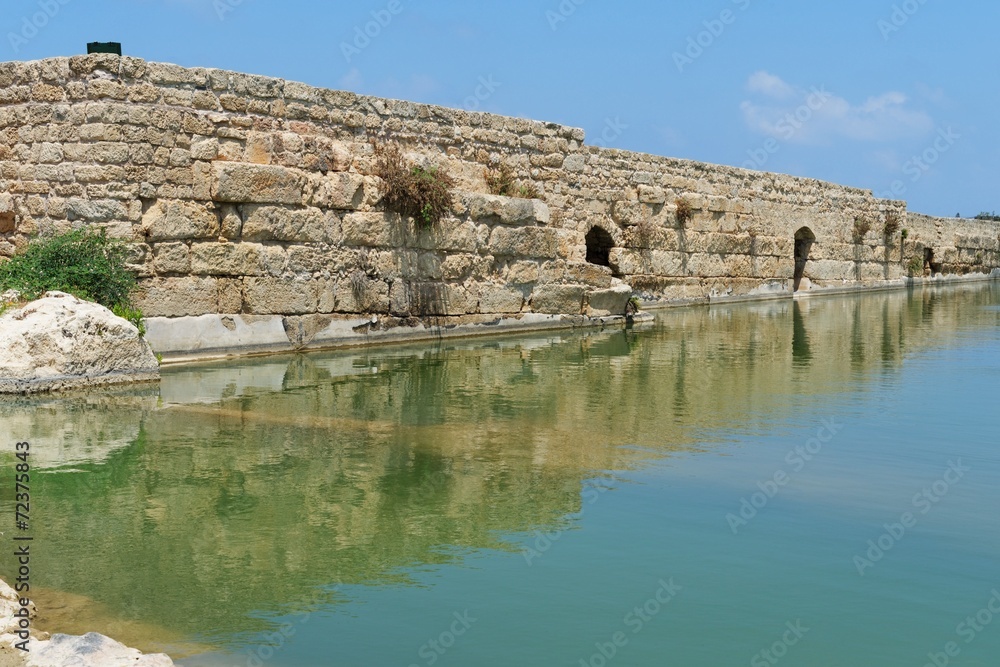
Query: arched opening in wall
[(599, 245), (804, 239)]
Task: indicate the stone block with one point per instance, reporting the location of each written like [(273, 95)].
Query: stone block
[(601, 303), (494, 209), (171, 258), (341, 190), (177, 297), (558, 299), (179, 220), (373, 230), (522, 273), (649, 194), (449, 234), (254, 183), (279, 223), (280, 296), (360, 294), (500, 300), (95, 210), (524, 242), (226, 259), (436, 298), (588, 274), (230, 291)]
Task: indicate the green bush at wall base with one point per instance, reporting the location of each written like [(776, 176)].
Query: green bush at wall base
[(85, 263)]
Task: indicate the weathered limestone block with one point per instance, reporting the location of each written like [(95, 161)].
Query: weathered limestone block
[(399, 298), (341, 190), (253, 183), (230, 295), (179, 220), (231, 222), (522, 273), (226, 259), (171, 258), (361, 294), (524, 242), (95, 211), (374, 230), (830, 269), (278, 223), (494, 209), (429, 266), (649, 262), (588, 274), (558, 299), (629, 213), (500, 300), (650, 194), (177, 297), (706, 265), (280, 296), (449, 234), (61, 342), (576, 162), (436, 298), (612, 301)]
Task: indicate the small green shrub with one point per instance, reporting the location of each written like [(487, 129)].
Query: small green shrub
[(133, 315), (916, 266), (84, 262), (528, 191), (411, 190), (684, 211), (633, 306)]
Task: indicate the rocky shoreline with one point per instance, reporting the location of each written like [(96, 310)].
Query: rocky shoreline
[(60, 650)]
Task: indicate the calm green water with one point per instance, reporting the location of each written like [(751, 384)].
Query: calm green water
[(808, 484)]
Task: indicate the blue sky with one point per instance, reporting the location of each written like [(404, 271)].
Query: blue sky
[(893, 96)]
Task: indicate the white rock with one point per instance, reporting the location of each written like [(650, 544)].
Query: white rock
[(90, 650), (62, 342)]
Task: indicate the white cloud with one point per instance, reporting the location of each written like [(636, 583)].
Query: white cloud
[(767, 84), (814, 115), (352, 80)]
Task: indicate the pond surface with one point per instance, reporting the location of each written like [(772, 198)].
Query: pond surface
[(809, 483)]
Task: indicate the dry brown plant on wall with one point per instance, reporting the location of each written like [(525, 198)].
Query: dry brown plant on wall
[(425, 194), (891, 223), (862, 225), (684, 211), (501, 180)]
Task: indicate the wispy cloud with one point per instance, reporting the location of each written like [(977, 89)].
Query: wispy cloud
[(774, 103)]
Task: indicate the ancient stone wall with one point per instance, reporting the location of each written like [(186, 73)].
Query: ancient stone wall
[(254, 199)]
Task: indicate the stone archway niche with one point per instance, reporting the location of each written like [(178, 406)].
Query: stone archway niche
[(599, 245), (804, 240)]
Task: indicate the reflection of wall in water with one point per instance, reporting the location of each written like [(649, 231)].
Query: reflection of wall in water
[(353, 467)]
